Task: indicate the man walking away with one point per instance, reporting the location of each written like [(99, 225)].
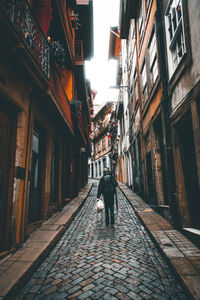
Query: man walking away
[(107, 187)]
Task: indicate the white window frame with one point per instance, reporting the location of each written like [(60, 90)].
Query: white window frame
[(141, 24), (153, 59), (144, 79), (175, 35)]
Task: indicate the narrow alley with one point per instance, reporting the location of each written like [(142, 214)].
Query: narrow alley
[(99, 91), (92, 261)]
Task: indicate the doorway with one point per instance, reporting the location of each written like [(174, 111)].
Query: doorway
[(151, 193), (6, 155), (188, 160)]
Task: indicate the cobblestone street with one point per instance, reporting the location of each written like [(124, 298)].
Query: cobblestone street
[(92, 261)]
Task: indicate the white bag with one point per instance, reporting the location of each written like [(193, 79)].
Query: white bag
[(99, 205)]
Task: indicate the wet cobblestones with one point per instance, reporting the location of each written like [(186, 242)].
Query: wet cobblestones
[(92, 261)]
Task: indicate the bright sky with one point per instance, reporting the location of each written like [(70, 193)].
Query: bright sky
[(100, 71)]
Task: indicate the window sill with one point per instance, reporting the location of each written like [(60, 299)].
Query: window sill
[(175, 77)]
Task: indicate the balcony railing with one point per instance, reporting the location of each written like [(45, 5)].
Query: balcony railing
[(21, 16)]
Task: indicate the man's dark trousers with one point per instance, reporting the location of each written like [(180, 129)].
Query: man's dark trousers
[(109, 208)]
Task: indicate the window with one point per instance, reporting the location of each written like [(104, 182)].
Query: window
[(144, 79), (174, 34), (99, 168), (141, 24), (37, 168), (131, 45), (96, 148), (103, 143), (133, 66), (99, 146), (96, 173), (147, 5), (35, 161), (104, 162), (153, 58), (135, 85), (154, 71)]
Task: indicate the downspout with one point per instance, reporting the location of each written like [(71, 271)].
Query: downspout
[(140, 110)]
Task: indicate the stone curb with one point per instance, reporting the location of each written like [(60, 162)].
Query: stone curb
[(17, 268), (182, 256)]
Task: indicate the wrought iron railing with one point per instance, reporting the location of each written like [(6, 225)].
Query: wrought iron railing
[(21, 16)]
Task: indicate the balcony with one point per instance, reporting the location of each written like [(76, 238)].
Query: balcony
[(22, 19)]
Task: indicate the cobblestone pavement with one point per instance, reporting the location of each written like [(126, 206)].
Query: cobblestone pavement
[(92, 261)]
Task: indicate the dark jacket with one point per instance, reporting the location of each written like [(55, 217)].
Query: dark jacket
[(107, 187)]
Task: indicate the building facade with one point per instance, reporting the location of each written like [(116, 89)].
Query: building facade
[(44, 111), (181, 22), (161, 70)]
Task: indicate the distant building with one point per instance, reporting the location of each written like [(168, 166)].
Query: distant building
[(101, 155)]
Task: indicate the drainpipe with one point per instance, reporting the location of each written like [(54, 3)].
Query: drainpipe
[(128, 106), (141, 120)]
